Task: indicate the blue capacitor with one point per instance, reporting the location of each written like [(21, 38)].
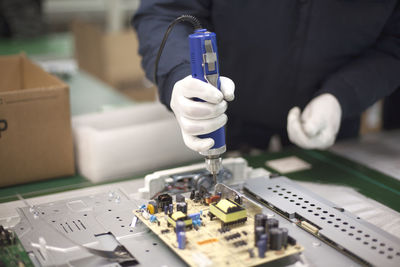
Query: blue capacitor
[(262, 246), (170, 208), (194, 216), (166, 210), (181, 240), (153, 218), (180, 227), (205, 67)]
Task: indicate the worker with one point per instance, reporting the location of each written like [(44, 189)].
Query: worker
[(302, 69)]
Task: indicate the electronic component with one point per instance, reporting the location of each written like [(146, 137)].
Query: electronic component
[(7, 237), (309, 227), (102, 212), (275, 240), (180, 198), (163, 200), (270, 224), (181, 240), (173, 218), (284, 237), (262, 245), (232, 236), (151, 207), (240, 243), (223, 229), (228, 211), (11, 251), (180, 234), (291, 241), (181, 206), (340, 229), (187, 178), (221, 242)]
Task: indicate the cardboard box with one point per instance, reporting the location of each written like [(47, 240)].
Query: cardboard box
[(112, 57), (35, 137)]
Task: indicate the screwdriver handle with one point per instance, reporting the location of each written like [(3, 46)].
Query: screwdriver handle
[(205, 67)]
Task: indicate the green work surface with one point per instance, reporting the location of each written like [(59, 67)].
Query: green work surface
[(327, 168), (53, 45)]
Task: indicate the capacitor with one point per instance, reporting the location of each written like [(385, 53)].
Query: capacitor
[(170, 208), (270, 224), (284, 237), (292, 241), (180, 226), (166, 210), (257, 233), (181, 240), (151, 209), (180, 198), (153, 218), (262, 246), (258, 220), (192, 194), (264, 221), (275, 239), (181, 206), (238, 199), (197, 197)]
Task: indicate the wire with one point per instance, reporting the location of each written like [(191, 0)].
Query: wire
[(184, 18)]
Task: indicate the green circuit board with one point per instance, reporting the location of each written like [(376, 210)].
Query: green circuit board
[(12, 253)]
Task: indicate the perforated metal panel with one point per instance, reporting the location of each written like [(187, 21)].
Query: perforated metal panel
[(341, 229)]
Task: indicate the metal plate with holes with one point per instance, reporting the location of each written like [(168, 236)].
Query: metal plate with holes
[(46, 231), (341, 229)]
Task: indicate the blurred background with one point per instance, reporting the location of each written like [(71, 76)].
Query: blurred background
[(111, 123), (95, 36), (66, 35)]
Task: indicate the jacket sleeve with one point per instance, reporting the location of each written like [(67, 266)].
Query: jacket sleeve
[(150, 22), (371, 76)]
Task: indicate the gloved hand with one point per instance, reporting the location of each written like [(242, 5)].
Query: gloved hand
[(196, 118), (318, 125)]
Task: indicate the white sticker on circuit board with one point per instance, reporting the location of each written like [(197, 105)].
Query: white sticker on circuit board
[(288, 164)]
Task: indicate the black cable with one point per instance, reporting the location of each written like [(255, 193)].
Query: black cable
[(184, 18)]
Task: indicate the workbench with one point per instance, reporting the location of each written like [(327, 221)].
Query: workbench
[(370, 176), (348, 165)]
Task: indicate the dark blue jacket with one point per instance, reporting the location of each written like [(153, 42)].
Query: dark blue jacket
[(280, 54)]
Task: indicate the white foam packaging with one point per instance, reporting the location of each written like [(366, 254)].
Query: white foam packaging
[(128, 141)]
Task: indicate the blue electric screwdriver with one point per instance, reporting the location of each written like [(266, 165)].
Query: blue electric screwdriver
[(204, 63)]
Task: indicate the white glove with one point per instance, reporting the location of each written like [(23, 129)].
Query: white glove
[(318, 125), (196, 118)]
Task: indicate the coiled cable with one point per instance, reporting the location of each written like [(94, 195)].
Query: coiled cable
[(184, 18)]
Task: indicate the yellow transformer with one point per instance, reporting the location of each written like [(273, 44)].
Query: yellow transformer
[(179, 216), (228, 211)]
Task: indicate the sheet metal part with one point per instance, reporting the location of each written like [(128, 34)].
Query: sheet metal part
[(96, 204), (352, 235), (230, 193), (76, 224)]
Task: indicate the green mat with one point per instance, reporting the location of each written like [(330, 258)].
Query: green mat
[(327, 168), (54, 45)]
